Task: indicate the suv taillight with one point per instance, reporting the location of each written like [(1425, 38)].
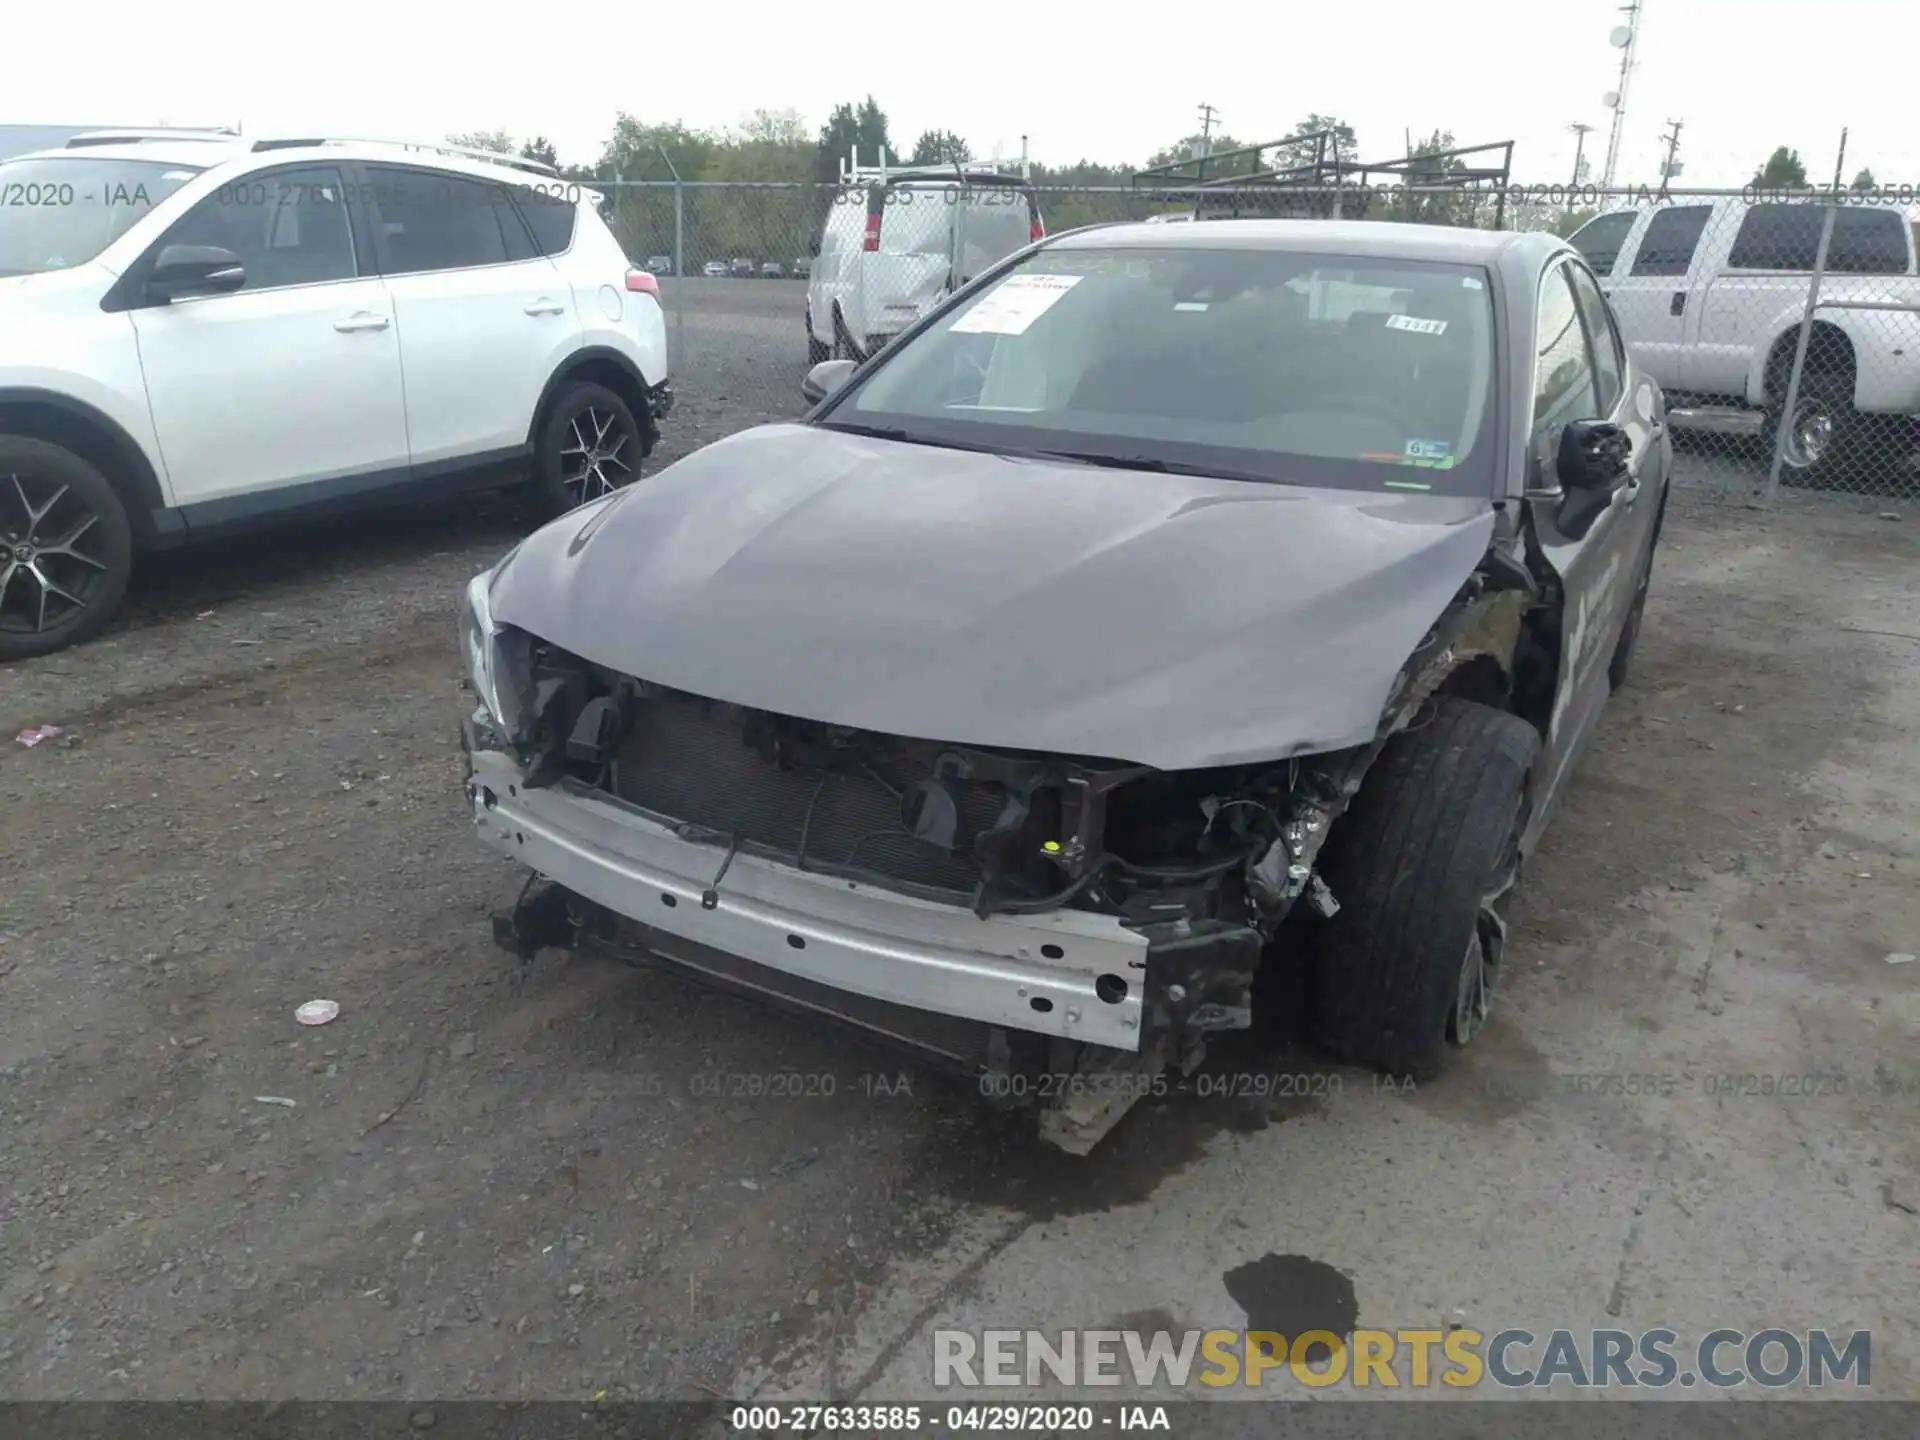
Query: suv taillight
[(644, 282)]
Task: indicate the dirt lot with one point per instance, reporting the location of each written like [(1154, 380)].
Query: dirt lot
[(492, 1183)]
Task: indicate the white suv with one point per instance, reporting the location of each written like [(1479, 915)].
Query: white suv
[(201, 333)]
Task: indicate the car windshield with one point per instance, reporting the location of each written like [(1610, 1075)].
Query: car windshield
[(58, 211), (1272, 365)]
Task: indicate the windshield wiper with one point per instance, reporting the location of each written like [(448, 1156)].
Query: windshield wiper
[(1153, 464), (909, 437)]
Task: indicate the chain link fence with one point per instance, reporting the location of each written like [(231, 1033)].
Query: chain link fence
[(1784, 326)]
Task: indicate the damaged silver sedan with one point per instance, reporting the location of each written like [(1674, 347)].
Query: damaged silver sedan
[(1170, 603)]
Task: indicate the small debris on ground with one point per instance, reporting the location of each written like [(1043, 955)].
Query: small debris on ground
[(1889, 515), (34, 734), (317, 1012), (274, 1100), (1899, 957), (464, 1045)]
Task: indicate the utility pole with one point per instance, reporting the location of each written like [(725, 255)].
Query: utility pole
[(1840, 161), (1207, 116), (1629, 42), (1580, 132), (1670, 167)]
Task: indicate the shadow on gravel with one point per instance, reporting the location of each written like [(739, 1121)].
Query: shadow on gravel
[(177, 584)]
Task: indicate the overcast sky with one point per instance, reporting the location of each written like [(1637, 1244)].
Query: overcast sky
[(1103, 81)]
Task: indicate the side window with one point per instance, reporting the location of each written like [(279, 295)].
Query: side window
[(1563, 379), (1667, 247), (429, 221), (1609, 365), (289, 227), (1599, 240), (550, 217), (1867, 242), (1777, 237)]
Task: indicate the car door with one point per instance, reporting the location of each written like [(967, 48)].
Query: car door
[(1654, 296), (484, 319), (292, 380), (1582, 372)]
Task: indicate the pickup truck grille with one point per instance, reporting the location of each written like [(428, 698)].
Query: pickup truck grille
[(687, 758)]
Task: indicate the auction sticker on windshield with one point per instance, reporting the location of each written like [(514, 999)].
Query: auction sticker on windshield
[(1416, 326), (1017, 303)]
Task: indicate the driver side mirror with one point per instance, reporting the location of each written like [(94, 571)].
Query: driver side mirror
[(1593, 456), (1592, 468), (181, 270), (825, 378)]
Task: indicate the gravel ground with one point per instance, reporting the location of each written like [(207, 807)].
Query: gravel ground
[(528, 1183)]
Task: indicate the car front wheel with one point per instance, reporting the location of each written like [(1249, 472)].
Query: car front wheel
[(590, 446), (66, 549), (1421, 865)]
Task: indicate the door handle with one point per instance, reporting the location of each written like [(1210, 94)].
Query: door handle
[(544, 306), (1679, 305), (364, 320)]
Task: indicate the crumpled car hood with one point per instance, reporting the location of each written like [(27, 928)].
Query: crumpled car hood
[(994, 602)]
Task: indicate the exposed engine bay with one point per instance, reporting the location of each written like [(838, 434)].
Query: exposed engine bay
[(1206, 865)]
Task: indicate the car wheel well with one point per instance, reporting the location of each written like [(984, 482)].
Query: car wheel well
[(1829, 353), (621, 379), (97, 440)]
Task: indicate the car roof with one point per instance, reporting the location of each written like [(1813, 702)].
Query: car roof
[(208, 151), (1373, 239)]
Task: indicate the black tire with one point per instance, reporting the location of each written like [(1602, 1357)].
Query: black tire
[(1418, 865), (1825, 403), (564, 478), (66, 549), (817, 350)]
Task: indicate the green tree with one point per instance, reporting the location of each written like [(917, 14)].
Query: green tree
[(498, 141), (540, 148), (849, 126), (1784, 170), (1342, 147), (940, 147), (1864, 180), (1190, 150)]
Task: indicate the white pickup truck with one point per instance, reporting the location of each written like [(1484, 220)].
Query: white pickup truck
[(1710, 294)]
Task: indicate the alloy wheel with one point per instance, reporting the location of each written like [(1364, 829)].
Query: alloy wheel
[(1480, 966), (51, 554), (600, 457), (1810, 435)]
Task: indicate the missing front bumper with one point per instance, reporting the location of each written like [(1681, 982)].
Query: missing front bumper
[(1067, 974)]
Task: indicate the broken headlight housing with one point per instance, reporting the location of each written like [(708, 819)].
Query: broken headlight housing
[(495, 656)]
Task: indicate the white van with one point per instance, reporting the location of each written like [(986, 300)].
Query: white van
[(897, 242)]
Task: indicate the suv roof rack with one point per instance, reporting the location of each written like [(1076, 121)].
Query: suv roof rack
[(492, 157), (134, 137)]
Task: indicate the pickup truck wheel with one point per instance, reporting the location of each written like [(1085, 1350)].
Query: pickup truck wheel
[(66, 549), (1822, 432), (589, 447), (1421, 865)]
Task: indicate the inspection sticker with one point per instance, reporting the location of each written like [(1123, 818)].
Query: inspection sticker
[(1428, 449), (1014, 305), (1416, 326)]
